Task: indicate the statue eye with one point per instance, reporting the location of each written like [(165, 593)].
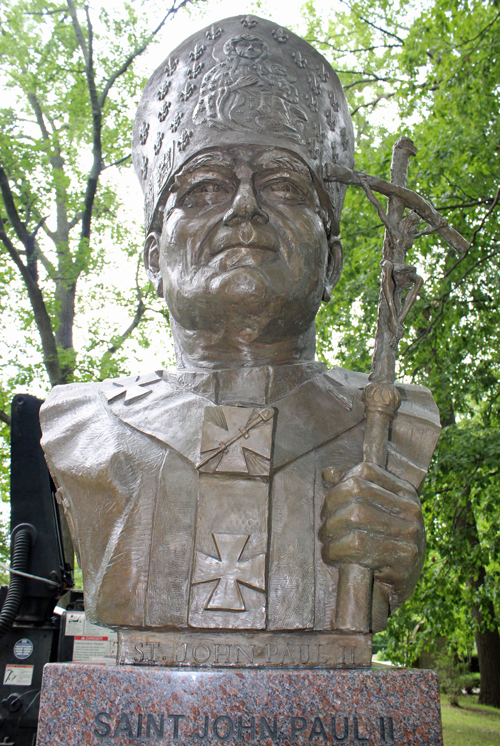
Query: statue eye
[(283, 191), (205, 194)]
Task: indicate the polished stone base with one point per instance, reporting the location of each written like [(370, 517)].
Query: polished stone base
[(128, 705)]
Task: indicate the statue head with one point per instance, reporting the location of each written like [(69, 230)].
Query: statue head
[(233, 136)]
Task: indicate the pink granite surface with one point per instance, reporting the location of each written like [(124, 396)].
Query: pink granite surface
[(128, 705)]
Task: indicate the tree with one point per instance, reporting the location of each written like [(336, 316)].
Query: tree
[(70, 81), (439, 68)]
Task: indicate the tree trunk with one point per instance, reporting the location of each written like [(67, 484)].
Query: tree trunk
[(488, 651), (65, 296), (486, 635)]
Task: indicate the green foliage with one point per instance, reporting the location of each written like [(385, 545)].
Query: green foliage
[(432, 72), (70, 90), (451, 674)]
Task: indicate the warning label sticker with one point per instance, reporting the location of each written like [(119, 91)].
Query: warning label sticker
[(94, 649), (92, 643), (18, 675)]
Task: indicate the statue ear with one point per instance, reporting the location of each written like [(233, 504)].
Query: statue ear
[(334, 267), (152, 262)]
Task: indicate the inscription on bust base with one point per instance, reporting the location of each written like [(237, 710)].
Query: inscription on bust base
[(227, 649)]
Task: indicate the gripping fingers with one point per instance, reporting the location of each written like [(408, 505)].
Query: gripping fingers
[(364, 515), (355, 488), (390, 559)]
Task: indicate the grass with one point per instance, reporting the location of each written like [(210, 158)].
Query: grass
[(470, 724)]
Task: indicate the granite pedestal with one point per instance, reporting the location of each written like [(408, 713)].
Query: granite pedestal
[(126, 705)]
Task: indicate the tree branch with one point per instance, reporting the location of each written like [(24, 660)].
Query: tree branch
[(20, 228), (37, 110), (463, 205), (4, 417), (42, 318), (117, 163), (10, 207), (378, 28), (483, 31), (95, 170), (45, 12), (385, 96), (139, 313), (124, 67), (78, 31), (346, 52), (483, 221), (74, 221), (46, 263), (443, 298)]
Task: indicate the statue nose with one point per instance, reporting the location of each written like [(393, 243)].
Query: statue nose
[(245, 206)]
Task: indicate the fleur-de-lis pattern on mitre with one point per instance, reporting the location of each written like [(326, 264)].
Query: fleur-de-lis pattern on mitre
[(313, 84), (184, 139), (170, 67), (163, 113), (322, 72), (158, 142), (313, 148), (197, 52), (174, 125), (248, 22), (187, 92), (143, 133), (213, 33), (144, 169), (195, 70), (299, 60), (311, 102), (319, 133), (280, 35), (333, 101), (163, 90), (331, 119)]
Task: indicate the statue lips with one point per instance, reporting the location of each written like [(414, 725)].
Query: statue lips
[(240, 255), (248, 246)]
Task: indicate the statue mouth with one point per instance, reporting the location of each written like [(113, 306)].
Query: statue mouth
[(238, 255), (248, 247)]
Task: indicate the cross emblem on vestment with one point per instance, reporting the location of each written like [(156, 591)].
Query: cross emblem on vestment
[(237, 440), (133, 388), (229, 570)]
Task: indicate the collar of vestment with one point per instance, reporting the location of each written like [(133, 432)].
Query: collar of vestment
[(312, 405)]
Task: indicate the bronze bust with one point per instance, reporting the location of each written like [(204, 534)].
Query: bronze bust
[(212, 505)]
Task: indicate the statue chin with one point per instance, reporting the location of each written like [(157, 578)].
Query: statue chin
[(246, 286), (242, 307)]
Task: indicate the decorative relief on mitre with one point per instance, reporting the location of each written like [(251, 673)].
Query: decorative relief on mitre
[(246, 81), (248, 90)]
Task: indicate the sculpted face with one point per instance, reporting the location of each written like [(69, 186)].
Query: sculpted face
[(243, 248)]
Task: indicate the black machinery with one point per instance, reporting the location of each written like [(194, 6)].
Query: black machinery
[(41, 552)]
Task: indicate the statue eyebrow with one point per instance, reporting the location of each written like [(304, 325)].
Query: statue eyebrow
[(282, 162), (207, 159)]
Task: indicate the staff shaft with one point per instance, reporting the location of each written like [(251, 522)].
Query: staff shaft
[(382, 399)]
